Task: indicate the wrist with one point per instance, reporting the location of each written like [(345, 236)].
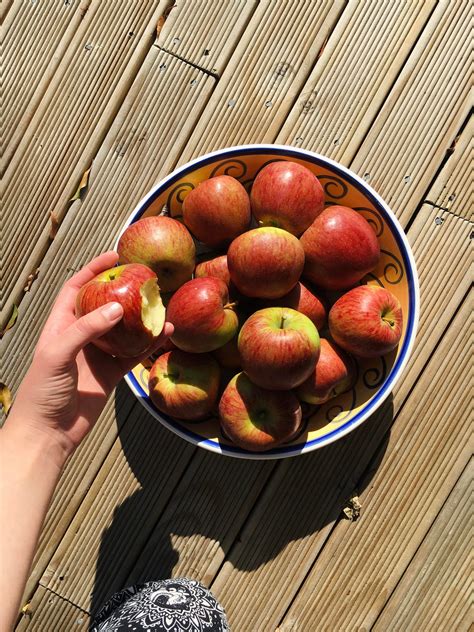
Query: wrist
[(29, 439)]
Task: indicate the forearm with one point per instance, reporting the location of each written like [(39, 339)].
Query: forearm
[(30, 466)]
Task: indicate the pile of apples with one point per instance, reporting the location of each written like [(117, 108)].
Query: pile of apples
[(246, 346)]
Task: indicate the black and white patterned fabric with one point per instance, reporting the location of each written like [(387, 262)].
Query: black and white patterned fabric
[(170, 605)]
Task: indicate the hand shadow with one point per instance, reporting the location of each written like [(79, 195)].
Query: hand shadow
[(243, 511)]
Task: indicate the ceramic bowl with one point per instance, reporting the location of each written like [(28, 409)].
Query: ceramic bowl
[(396, 271)]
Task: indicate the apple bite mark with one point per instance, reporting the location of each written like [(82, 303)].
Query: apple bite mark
[(258, 419), (153, 311)]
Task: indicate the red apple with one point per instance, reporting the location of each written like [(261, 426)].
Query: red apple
[(164, 245), (340, 248), (279, 348), (215, 267), (287, 195), (332, 375), (265, 262), (184, 385), (202, 316), (228, 355), (305, 301), (217, 210), (255, 418), (366, 321), (135, 287)]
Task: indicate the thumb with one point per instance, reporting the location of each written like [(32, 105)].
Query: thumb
[(89, 328)]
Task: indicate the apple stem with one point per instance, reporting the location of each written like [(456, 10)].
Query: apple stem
[(390, 322), (231, 305)]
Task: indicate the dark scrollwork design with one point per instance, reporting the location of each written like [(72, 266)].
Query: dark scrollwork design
[(334, 187), (371, 277), (374, 220), (176, 197), (374, 376), (235, 168), (393, 270), (336, 409), (143, 378)]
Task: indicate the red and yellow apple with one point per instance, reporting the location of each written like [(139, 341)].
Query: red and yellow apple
[(279, 347), (305, 301), (217, 210), (287, 195), (184, 385), (135, 287), (340, 248), (202, 316), (255, 418), (332, 375), (164, 245), (214, 267), (265, 262), (366, 321)]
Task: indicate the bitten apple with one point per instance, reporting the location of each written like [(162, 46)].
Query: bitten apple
[(184, 385), (255, 418), (265, 262), (340, 248), (217, 210), (135, 287), (164, 245), (215, 267), (305, 301), (202, 316), (332, 375), (366, 321), (278, 347), (287, 195)]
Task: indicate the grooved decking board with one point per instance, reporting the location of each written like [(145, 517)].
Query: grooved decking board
[(195, 532), (76, 479), (203, 33), (47, 612), (34, 37), (356, 70), (94, 75), (362, 562), (265, 74), (436, 589), (423, 112), (113, 522), (453, 188)]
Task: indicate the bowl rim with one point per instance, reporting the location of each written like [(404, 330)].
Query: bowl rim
[(413, 313)]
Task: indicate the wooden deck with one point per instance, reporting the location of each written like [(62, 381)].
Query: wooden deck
[(133, 89)]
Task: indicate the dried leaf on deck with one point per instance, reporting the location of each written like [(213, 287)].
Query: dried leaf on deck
[(352, 510), (82, 185), (31, 278), (11, 321), (5, 398), (54, 225)]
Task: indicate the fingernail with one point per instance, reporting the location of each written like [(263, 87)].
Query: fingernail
[(112, 311)]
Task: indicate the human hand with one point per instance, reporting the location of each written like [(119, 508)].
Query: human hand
[(70, 380)]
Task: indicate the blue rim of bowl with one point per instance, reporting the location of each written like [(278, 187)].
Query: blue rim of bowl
[(413, 311)]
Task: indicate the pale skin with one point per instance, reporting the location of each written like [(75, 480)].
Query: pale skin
[(58, 402)]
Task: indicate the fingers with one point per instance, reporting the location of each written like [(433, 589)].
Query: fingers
[(127, 364), (62, 312), (87, 329)]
